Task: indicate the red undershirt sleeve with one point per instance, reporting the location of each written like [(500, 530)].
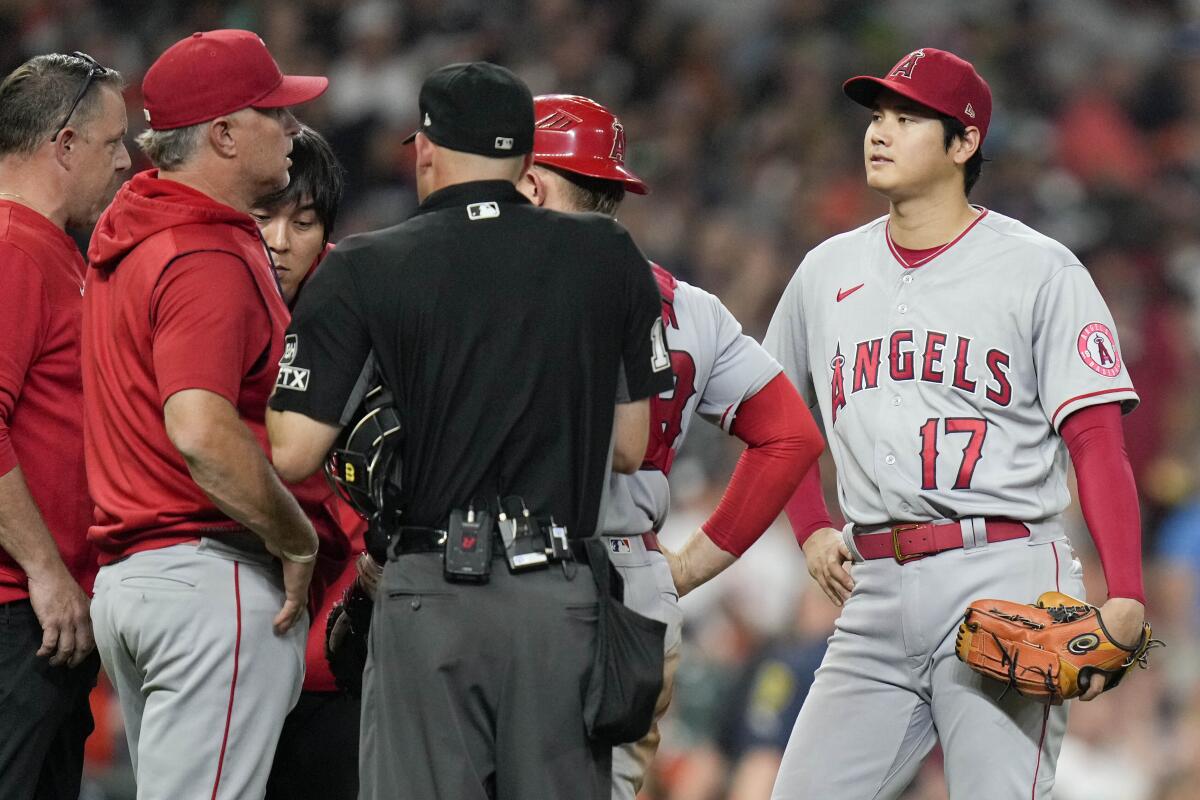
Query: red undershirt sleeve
[(806, 509), (783, 442), (1108, 495)]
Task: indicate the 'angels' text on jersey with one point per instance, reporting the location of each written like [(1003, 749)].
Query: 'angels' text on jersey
[(922, 356), (942, 387)]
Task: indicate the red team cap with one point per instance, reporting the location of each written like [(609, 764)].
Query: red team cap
[(213, 73), (936, 79), (579, 135)]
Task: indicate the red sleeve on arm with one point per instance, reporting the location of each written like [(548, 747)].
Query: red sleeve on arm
[(23, 313), (210, 325), (806, 509), (783, 443), (1108, 495)]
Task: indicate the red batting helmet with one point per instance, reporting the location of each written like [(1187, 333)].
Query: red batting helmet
[(579, 135)]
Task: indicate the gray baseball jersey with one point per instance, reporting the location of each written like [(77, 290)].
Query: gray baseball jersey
[(953, 378), (716, 367)]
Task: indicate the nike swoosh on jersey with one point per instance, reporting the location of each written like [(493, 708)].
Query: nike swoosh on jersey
[(844, 293)]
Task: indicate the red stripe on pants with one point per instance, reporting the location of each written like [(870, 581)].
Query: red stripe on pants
[(1041, 743), (1057, 568), (237, 648)]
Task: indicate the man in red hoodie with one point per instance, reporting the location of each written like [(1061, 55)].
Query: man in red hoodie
[(199, 626), (62, 151)]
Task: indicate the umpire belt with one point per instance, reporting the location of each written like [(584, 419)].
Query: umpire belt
[(409, 539), (910, 541)]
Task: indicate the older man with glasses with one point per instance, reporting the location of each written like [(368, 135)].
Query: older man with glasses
[(62, 152)]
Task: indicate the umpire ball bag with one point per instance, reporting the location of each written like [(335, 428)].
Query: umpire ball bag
[(627, 670)]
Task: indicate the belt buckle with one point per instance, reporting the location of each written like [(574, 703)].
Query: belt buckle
[(896, 531)]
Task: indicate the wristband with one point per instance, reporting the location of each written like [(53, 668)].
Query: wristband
[(295, 559)]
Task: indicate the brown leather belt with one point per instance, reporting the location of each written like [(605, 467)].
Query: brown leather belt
[(650, 540), (910, 541)]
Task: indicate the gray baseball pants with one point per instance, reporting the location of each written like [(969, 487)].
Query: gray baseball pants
[(185, 634), (650, 591), (890, 684)]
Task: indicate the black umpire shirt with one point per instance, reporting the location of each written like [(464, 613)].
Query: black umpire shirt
[(501, 328)]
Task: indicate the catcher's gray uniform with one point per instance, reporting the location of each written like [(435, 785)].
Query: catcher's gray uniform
[(716, 367), (942, 385)]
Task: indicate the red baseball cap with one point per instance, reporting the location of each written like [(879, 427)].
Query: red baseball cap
[(936, 79), (219, 72), (581, 136)]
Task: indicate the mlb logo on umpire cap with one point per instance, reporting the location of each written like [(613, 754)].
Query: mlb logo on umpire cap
[(504, 143)]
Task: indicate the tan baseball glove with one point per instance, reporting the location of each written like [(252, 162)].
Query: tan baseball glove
[(1048, 651)]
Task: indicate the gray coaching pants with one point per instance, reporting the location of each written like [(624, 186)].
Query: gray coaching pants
[(650, 592), (474, 692), (204, 682), (890, 684)]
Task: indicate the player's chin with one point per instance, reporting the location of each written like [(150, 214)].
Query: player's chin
[(879, 179)]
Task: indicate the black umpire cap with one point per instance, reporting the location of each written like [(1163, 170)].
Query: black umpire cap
[(477, 108)]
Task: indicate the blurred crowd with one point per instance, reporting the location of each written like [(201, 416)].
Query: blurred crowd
[(734, 115)]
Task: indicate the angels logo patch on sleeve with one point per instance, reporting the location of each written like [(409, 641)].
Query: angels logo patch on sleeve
[(1098, 349)]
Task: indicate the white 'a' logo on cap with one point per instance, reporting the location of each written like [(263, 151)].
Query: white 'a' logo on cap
[(970, 111), (428, 122)]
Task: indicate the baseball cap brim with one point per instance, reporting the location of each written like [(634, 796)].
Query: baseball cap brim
[(864, 89), (293, 90)]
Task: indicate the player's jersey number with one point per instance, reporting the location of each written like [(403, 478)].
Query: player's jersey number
[(974, 428), (666, 413)]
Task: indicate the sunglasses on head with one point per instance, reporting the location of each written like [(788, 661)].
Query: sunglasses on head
[(96, 71)]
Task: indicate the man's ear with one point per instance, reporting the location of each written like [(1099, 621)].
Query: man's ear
[(65, 146), (533, 186), (425, 150), (966, 145), (220, 136)]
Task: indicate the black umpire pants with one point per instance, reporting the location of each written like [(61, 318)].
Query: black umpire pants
[(44, 713), (317, 754), (475, 692)]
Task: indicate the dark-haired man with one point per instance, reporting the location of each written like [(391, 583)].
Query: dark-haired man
[(317, 754), (62, 150), (958, 357), (297, 220)]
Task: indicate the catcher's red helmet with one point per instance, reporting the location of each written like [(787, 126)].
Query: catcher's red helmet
[(579, 135)]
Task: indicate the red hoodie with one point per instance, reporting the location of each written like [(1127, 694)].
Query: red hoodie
[(180, 295)]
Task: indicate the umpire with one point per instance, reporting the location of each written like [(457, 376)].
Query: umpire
[(501, 329)]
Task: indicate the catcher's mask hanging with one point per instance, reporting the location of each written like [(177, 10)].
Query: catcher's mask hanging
[(364, 465)]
